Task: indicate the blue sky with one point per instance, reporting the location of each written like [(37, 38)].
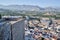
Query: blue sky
[(42, 3)]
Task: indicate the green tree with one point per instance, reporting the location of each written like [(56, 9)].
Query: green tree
[(0, 16)]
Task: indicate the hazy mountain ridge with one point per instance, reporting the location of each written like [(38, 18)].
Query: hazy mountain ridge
[(28, 8), (21, 7)]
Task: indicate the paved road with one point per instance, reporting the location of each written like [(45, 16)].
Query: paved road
[(18, 30)]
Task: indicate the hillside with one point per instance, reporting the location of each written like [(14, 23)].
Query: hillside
[(28, 8)]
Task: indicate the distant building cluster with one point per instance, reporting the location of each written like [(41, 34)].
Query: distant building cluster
[(43, 29)]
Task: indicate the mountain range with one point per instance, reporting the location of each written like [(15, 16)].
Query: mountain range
[(27, 8)]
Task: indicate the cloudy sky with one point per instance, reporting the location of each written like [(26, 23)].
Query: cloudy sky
[(42, 3)]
